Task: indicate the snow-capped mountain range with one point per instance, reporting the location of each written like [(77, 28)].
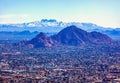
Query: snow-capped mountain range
[(49, 25)]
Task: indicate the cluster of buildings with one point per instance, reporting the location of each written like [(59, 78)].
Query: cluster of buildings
[(74, 66)]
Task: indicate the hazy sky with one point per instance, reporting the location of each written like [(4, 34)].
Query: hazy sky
[(102, 12)]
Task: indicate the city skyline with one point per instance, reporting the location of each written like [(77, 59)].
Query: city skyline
[(101, 12)]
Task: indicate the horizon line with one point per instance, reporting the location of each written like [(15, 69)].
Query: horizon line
[(15, 23)]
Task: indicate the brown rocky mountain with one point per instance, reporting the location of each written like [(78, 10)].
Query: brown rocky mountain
[(77, 37), (41, 40), (71, 36)]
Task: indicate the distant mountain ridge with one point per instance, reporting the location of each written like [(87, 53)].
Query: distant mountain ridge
[(45, 23), (23, 35), (70, 36), (54, 26)]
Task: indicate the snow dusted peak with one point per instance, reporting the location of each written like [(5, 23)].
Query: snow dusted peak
[(45, 23)]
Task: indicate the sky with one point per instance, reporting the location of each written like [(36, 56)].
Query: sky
[(101, 12)]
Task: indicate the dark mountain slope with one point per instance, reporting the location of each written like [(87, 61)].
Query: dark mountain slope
[(99, 38)]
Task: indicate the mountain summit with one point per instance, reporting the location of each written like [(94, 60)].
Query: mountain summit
[(70, 36)]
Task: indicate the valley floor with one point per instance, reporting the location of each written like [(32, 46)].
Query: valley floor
[(63, 64)]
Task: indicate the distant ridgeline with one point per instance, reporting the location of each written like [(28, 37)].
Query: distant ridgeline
[(52, 26), (69, 36)]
